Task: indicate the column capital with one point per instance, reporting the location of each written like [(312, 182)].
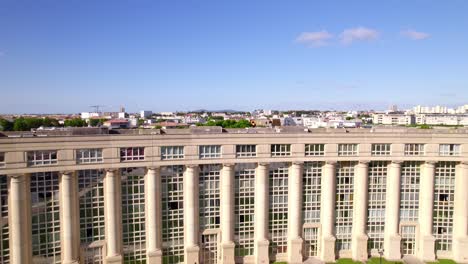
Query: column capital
[(111, 170), (464, 163), (16, 177), (331, 162), (229, 165), (66, 172), (430, 163), (300, 163), (192, 166), (396, 162), (153, 168), (263, 164), (364, 162)]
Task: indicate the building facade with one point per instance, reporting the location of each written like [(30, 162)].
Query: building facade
[(207, 195)]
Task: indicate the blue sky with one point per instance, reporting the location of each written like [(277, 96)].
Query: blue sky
[(63, 56)]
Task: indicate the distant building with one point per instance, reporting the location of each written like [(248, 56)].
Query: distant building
[(441, 119), (393, 119), (145, 113), (88, 115), (117, 123)]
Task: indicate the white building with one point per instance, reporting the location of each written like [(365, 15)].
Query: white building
[(145, 113), (88, 115), (393, 119)]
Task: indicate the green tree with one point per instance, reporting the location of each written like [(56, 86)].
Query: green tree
[(75, 122), (5, 125), (20, 125), (97, 122)]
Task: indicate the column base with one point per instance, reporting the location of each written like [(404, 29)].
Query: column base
[(228, 254), (262, 253), (392, 248), (71, 262), (192, 255), (359, 248), (327, 253), (114, 260), (295, 251), (460, 252), (427, 249), (154, 257)]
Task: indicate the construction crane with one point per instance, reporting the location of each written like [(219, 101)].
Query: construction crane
[(96, 107)]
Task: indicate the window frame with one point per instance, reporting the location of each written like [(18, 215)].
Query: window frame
[(215, 151), (348, 149), (94, 156), (246, 151), (140, 156), (385, 149), (314, 150), (52, 158), (172, 154), (280, 150)]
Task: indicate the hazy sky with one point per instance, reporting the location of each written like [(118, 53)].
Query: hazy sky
[(63, 56)]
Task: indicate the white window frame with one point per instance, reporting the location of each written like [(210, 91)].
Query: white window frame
[(42, 157), (314, 150), (414, 149), (84, 156), (449, 149), (348, 149), (172, 152), (209, 151), (381, 149), (137, 153), (244, 151), (280, 150)]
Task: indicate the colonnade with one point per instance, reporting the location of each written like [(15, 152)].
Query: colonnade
[(20, 215)]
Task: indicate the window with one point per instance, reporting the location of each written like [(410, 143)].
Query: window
[(244, 209), (344, 205), (315, 149), (409, 190), (278, 222), (414, 149), (209, 151), (376, 208), (380, 149), (88, 155), (42, 157), (172, 152), (246, 151), (172, 214), (2, 159), (129, 154), (347, 149), (444, 192), (311, 197), (209, 196), (279, 150), (449, 149)]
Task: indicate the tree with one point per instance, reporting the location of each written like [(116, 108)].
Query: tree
[(20, 125), (75, 122), (5, 125), (96, 122)]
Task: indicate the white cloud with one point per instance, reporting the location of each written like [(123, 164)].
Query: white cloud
[(414, 35), (351, 35), (314, 39)]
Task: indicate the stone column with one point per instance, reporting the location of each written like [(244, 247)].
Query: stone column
[(261, 214), (153, 214), (426, 205), (227, 214), (18, 219), (69, 213), (460, 215), (392, 238), (295, 193), (327, 215), (113, 216), (359, 239), (191, 215)]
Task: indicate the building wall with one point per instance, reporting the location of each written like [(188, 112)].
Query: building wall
[(159, 206)]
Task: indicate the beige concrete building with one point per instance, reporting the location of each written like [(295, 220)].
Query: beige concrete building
[(207, 195)]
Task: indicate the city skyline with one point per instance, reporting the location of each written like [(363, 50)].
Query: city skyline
[(63, 57)]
